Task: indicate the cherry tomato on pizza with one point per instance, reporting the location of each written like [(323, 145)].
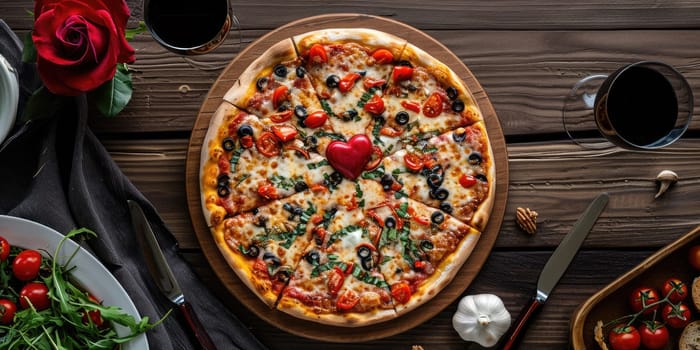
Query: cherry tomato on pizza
[(383, 56), (284, 132), (268, 191), (347, 300), (402, 73), (375, 105), (676, 315), (316, 119), (268, 144), (279, 96), (467, 180), (644, 298), (624, 337), (281, 117), (675, 289), (413, 162), (401, 292), (335, 281), (433, 105), (654, 335), (348, 81), (317, 54)]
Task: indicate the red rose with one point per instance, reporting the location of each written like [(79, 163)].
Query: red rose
[(79, 43)]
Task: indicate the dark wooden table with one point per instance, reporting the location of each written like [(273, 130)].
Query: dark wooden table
[(526, 55)]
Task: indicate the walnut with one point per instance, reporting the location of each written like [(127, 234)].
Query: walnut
[(526, 219)]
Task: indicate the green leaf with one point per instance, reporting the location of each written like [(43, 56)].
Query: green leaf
[(29, 51), (114, 95), (131, 33)]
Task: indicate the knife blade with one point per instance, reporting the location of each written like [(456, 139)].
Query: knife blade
[(556, 266), (163, 276)]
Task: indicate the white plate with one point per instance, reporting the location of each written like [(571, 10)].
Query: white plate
[(88, 272), (9, 96)]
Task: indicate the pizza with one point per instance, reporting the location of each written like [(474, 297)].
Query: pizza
[(347, 176)]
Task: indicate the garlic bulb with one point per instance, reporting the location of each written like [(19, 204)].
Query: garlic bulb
[(482, 318)]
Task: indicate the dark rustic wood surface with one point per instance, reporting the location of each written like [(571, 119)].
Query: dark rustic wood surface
[(526, 55)]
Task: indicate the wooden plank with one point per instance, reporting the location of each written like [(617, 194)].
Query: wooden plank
[(491, 15), (633, 218), (526, 74)]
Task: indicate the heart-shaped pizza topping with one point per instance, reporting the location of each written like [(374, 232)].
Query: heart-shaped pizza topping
[(350, 158)]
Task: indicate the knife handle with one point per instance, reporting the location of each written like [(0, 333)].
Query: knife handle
[(516, 330), (196, 325)]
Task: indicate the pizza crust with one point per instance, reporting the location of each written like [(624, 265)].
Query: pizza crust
[(371, 38), (297, 309)]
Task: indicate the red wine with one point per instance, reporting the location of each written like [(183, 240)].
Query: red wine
[(641, 105), (186, 23)]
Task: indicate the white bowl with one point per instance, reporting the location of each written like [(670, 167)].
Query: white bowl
[(88, 270), (9, 96)]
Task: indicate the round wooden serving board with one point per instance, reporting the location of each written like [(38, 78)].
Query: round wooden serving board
[(311, 329)]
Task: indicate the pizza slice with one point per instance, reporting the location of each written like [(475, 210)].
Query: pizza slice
[(349, 69), (453, 172), (424, 97), (247, 163), (338, 281), (264, 246), (421, 250)]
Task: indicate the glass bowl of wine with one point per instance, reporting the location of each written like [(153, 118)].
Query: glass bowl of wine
[(645, 105)]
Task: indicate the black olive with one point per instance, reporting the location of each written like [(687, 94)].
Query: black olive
[(300, 111), (260, 84), (437, 169), (313, 257), (457, 106), (482, 178), (280, 70), (272, 259), (301, 72), (434, 180), (439, 194), (390, 222), (459, 135), (228, 144), (223, 191), (222, 180), (245, 130), (362, 73), (284, 274), (404, 63), (253, 251), (386, 180), (474, 158), (446, 207), (437, 217), (311, 141), (255, 211), (367, 264), (259, 220), (300, 186), (452, 93), (336, 178), (426, 245), (402, 118), (363, 252), (298, 211), (288, 207), (332, 81), (349, 115)]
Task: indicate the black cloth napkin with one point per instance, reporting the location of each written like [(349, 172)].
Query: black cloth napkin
[(56, 172)]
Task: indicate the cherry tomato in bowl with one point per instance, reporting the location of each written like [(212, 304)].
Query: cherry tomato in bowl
[(36, 294), (654, 335), (643, 298), (26, 265), (675, 289), (624, 337)]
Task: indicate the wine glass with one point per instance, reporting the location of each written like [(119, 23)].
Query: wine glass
[(189, 27), (644, 106)]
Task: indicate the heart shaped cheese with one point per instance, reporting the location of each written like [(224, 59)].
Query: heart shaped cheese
[(350, 158)]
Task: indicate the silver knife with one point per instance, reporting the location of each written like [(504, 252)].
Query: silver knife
[(163, 275), (555, 267)]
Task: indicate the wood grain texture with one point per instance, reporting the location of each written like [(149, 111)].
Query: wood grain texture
[(241, 291)]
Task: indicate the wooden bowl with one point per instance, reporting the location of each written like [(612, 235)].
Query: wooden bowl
[(611, 302)]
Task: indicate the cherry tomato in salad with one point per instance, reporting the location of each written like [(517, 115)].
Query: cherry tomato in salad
[(94, 315), (624, 337), (675, 289), (7, 311), (26, 265), (316, 119), (642, 298), (35, 293), (694, 257), (4, 249), (654, 335), (676, 315)]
